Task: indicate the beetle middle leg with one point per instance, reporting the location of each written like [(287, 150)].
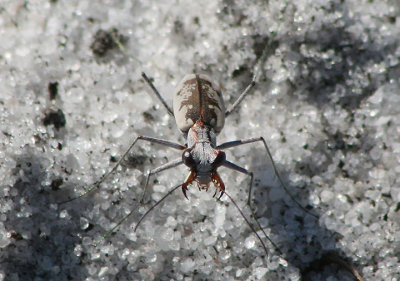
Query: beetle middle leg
[(166, 166), (96, 185), (235, 143)]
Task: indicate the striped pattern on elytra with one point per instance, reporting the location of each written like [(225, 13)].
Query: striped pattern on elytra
[(195, 96)]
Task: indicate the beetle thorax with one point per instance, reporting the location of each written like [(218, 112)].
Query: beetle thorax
[(202, 141)]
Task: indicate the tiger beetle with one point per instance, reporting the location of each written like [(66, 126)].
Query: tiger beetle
[(199, 112)]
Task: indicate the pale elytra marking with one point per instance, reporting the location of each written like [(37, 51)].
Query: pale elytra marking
[(199, 111)]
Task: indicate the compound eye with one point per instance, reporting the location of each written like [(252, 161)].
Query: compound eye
[(220, 159), (188, 159)]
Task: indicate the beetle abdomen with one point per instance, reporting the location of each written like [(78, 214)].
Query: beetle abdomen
[(198, 98)]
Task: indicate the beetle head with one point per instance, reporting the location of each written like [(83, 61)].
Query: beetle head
[(203, 167)]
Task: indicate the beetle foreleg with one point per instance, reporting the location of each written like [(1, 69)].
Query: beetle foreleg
[(164, 167)]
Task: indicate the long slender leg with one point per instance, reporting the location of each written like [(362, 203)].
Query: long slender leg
[(167, 143), (250, 86), (251, 140), (250, 225), (242, 170), (241, 97), (157, 93), (105, 176), (166, 166), (239, 169), (230, 144), (111, 230), (156, 204)]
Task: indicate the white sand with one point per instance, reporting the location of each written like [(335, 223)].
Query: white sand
[(328, 104)]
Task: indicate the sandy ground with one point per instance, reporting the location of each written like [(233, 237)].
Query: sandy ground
[(72, 100)]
